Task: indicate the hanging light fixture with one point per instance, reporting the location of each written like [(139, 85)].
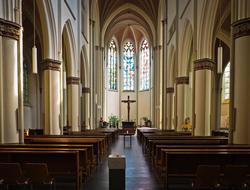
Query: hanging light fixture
[(219, 53), (34, 50)]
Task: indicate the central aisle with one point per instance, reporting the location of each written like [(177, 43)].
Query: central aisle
[(139, 175)]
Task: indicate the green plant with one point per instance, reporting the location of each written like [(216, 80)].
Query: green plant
[(113, 120)]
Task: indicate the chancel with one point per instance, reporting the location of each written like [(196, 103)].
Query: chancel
[(79, 76)]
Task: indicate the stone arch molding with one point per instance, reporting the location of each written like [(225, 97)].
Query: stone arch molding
[(85, 67), (187, 39), (172, 65), (48, 29), (206, 29), (70, 46), (122, 8)]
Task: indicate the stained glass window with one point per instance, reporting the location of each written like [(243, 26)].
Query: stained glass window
[(226, 82), (128, 67), (112, 66), (144, 70), (25, 84)]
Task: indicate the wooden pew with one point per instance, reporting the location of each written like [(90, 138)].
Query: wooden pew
[(184, 162), (151, 142), (90, 163), (160, 150), (54, 158), (98, 143)]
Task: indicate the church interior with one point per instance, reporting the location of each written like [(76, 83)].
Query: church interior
[(158, 87)]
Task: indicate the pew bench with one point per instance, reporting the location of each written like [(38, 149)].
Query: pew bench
[(183, 163), (55, 160)]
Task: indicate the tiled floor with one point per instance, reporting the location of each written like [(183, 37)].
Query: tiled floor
[(139, 175)]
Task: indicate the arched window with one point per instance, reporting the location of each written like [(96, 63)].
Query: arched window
[(112, 66), (226, 82), (144, 68), (128, 67)]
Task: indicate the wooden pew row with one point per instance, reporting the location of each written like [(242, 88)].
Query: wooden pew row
[(184, 162), (54, 158), (152, 141), (92, 134), (91, 162), (159, 155), (98, 143)]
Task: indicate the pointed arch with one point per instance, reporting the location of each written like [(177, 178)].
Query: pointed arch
[(206, 29), (187, 39), (49, 42), (69, 47), (172, 66)]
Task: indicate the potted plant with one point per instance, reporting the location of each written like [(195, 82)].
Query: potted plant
[(113, 121)]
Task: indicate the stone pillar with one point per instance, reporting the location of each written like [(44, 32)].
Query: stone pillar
[(9, 37), (181, 83), (99, 84), (73, 103), (164, 73), (203, 72), (157, 87), (51, 96), (85, 107), (170, 114), (241, 90)]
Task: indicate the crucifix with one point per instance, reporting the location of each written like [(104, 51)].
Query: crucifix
[(128, 101)]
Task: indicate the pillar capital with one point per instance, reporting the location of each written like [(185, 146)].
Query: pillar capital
[(170, 90), (182, 80), (51, 64), (9, 29), (73, 80), (241, 28), (204, 64)]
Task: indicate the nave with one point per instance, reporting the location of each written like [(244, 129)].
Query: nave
[(139, 174)]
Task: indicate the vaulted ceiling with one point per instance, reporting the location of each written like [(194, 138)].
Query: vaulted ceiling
[(108, 6), (129, 23)]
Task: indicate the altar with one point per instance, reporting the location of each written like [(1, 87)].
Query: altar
[(128, 124)]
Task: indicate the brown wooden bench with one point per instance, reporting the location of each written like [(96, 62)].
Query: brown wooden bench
[(54, 158), (91, 162), (149, 147), (184, 162), (98, 143)]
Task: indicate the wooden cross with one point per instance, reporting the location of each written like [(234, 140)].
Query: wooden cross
[(128, 101)]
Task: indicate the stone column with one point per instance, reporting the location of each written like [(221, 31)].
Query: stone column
[(241, 101), (203, 72), (157, 87), (85, 107), (9, 37), (99, 84), (170, 99), (73, 103), (181, 83), (51, 96)]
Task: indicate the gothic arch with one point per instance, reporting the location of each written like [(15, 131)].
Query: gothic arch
[(172, 66), (206, 29), (48, 29), (187, 40), (70, 48)]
